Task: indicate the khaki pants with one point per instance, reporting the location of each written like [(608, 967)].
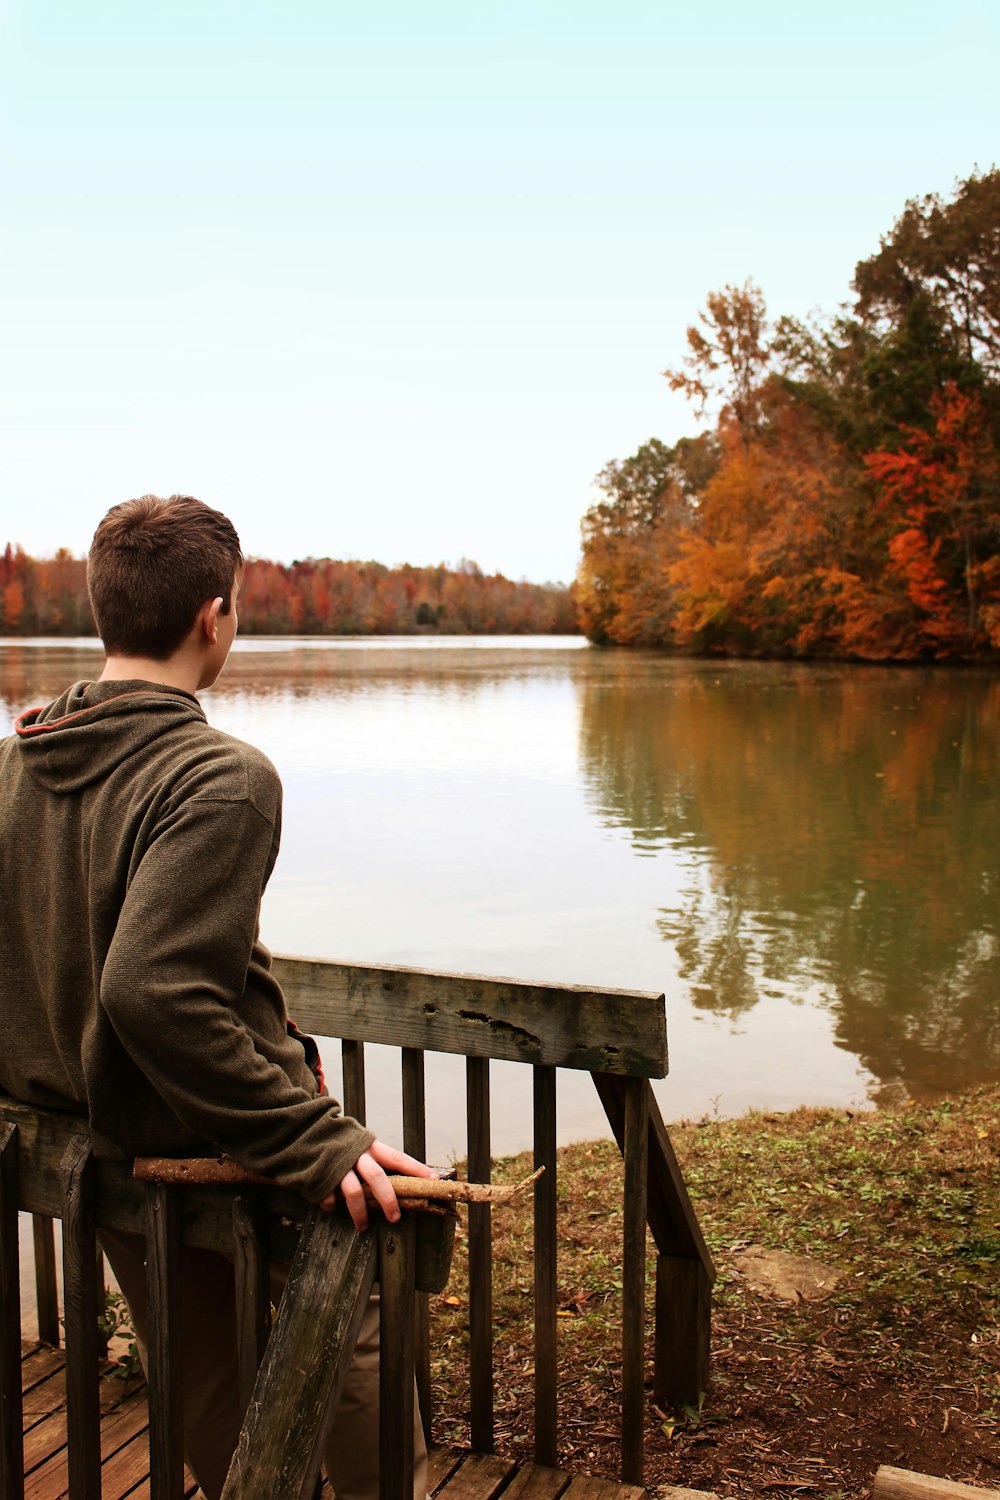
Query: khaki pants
[(212, 1416)]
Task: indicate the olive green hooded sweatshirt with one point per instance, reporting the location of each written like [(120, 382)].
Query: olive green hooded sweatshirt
[(135, 845)]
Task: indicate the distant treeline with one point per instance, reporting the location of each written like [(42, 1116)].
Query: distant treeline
[(48, 596), (351, 598), (846, 503)]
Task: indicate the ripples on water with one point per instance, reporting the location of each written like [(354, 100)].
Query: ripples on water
[(805, 859)]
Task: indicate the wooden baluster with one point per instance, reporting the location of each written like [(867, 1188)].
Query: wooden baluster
[(353, 1061), (414, 1103), (83, 1406), (166, 1433), (11, 1442), (253, 1290), (636, 1151), (46, 1294), (480, 1257), (397, 1263), (415, 1142), (546, 1411)]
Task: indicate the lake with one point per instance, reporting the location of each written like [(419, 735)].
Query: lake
[(804, 859)]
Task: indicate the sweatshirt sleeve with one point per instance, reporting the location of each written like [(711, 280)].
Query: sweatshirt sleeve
[(177, 989)]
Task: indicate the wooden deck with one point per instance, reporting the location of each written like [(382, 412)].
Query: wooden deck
[(124, 1430), (454, 1473)]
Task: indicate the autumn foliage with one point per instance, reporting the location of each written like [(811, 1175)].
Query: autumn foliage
[(846, 501), (48, 596)]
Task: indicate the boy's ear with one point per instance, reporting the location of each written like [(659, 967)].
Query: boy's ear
[(208, 619)]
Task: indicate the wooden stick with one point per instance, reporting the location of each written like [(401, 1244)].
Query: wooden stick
[(432, 1188), (211, 1171), (904, 1484)]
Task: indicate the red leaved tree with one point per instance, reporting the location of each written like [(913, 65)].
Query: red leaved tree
[(941, 493)]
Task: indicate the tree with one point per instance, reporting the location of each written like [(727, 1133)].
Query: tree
[(658, 483), (950, 254), (942, 491), (909, 366), (13, 605), (631, 536), (728, 357)]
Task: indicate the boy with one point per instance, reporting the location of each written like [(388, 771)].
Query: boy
[(135, 845)]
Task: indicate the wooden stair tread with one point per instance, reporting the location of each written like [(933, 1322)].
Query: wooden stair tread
[(457, 1474)]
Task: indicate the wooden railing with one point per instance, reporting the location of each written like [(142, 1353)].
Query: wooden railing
[(619, 1037), (48, 1169)]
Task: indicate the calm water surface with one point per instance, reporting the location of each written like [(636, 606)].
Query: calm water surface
[(806, 860)]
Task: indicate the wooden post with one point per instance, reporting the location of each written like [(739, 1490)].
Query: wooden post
[(11, 1441), (397, 1263), (634, 1279), (480, 1258), (253, 1291), (166, 1432), (83, 1406), (46, 1295), (280, 1446), (546, 1371), (415, 1142), (683, 1322)]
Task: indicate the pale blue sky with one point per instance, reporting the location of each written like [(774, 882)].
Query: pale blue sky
[(396, 280)]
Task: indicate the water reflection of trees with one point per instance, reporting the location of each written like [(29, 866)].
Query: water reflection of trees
[(303, 672), (839, 833), (30, 675)]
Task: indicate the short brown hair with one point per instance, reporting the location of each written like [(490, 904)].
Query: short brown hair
[(153, 563)]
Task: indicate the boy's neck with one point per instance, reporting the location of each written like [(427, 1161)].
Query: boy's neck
[(175, 672)]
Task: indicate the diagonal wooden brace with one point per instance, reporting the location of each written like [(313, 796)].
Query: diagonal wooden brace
[(280, 1446)]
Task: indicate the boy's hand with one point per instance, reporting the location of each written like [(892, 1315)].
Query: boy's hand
[(369, 1172)]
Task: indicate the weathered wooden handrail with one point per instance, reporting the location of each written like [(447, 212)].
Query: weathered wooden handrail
[(475, 1015)]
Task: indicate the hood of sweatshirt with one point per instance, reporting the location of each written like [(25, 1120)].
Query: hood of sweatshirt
[(95, 726)]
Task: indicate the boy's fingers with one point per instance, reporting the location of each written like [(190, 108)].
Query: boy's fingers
[(398, 1161), (378, 1185), (369, 1172), (354, 1199)]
